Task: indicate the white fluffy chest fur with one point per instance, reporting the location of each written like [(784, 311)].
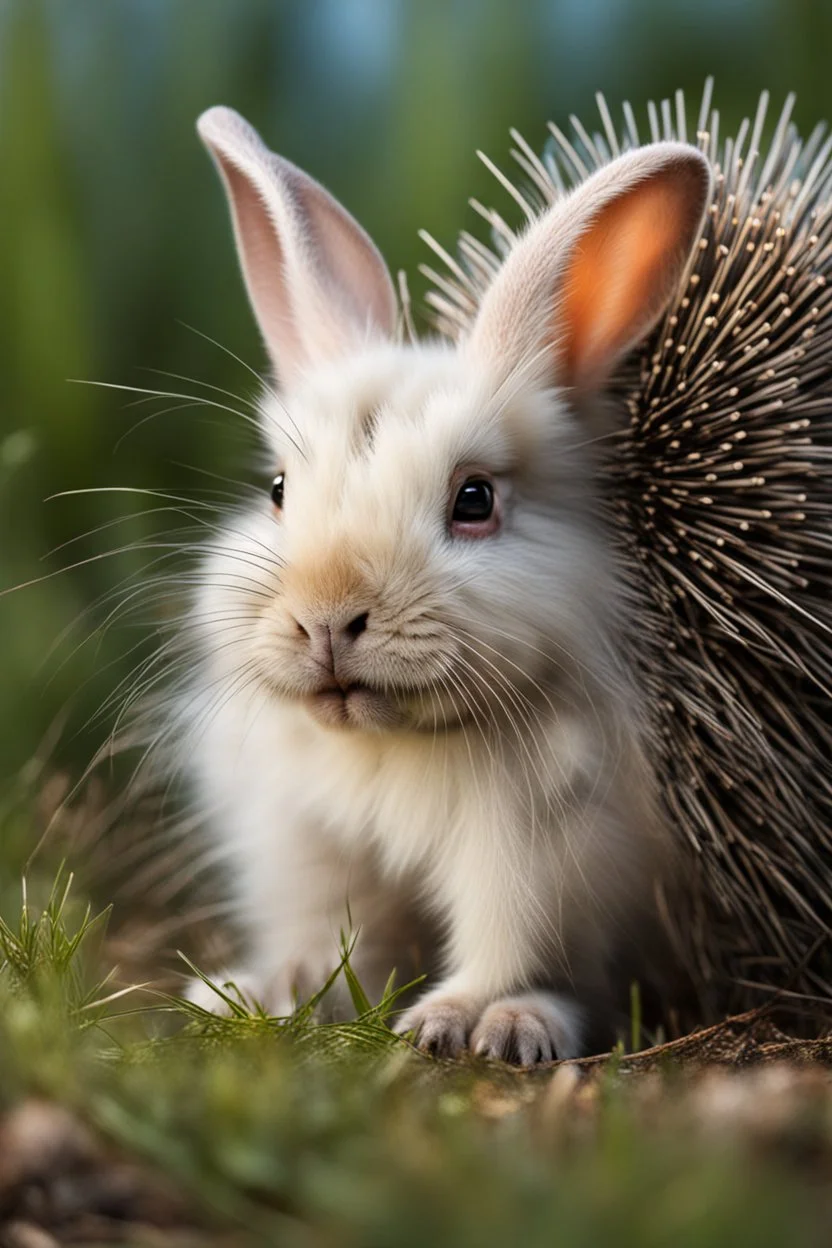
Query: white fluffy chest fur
[(523, 856), (416, 798)]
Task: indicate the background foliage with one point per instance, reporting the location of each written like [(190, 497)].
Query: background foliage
[(114, 231)]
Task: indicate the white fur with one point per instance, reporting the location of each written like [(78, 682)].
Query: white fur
[(492, 780)]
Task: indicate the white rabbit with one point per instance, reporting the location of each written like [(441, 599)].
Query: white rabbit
[(408, 709)]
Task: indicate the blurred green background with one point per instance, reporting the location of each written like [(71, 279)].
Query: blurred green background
[(113, 231)]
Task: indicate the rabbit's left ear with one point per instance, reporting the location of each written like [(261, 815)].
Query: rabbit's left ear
[(590, 279), (316, 282)]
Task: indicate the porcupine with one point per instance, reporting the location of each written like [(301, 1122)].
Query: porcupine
[(719, 492)]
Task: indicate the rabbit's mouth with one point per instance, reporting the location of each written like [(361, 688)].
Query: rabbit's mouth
[(360, 706), (353, 706)]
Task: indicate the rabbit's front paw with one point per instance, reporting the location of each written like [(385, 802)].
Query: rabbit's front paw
[(242, 987), (524, 1031), (441, 1022)]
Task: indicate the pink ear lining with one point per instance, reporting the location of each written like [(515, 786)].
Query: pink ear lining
[(315, 281)]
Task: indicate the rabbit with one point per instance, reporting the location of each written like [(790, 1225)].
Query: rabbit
[(407, 710)]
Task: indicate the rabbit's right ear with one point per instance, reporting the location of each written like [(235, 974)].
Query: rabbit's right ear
[(316, 282), (591, 277)]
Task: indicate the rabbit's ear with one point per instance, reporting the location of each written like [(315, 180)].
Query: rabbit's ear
[(593, 275), (316, 282)]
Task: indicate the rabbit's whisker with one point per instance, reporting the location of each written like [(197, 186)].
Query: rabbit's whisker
[(270, 390)]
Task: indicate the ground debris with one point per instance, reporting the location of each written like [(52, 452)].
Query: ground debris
[(748, 1039), (778, 1108), (60, 1185), (741, 1083)]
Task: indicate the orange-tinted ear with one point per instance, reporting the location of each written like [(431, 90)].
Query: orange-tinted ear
[(592, 276), (624, 269)]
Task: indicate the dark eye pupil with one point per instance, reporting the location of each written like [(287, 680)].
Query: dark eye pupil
[(277, 490), (475, 501)]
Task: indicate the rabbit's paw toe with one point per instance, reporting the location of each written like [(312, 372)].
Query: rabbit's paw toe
[(440, 1024), (525, 1031)]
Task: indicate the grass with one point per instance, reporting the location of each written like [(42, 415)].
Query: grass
[(252, 1130)]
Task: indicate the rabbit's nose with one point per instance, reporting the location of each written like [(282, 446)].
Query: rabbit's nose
[(329, 641)]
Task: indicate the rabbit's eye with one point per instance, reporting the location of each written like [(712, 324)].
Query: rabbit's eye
[(474, 503), (476, 508), (277, 490)]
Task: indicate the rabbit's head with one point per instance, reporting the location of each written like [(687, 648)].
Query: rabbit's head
[(431, 554)]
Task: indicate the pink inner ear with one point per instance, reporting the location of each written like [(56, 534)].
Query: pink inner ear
[(316, 282), (623, 271), (263, 265)]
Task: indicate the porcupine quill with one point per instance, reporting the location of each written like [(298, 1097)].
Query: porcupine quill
[(720, 495)]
